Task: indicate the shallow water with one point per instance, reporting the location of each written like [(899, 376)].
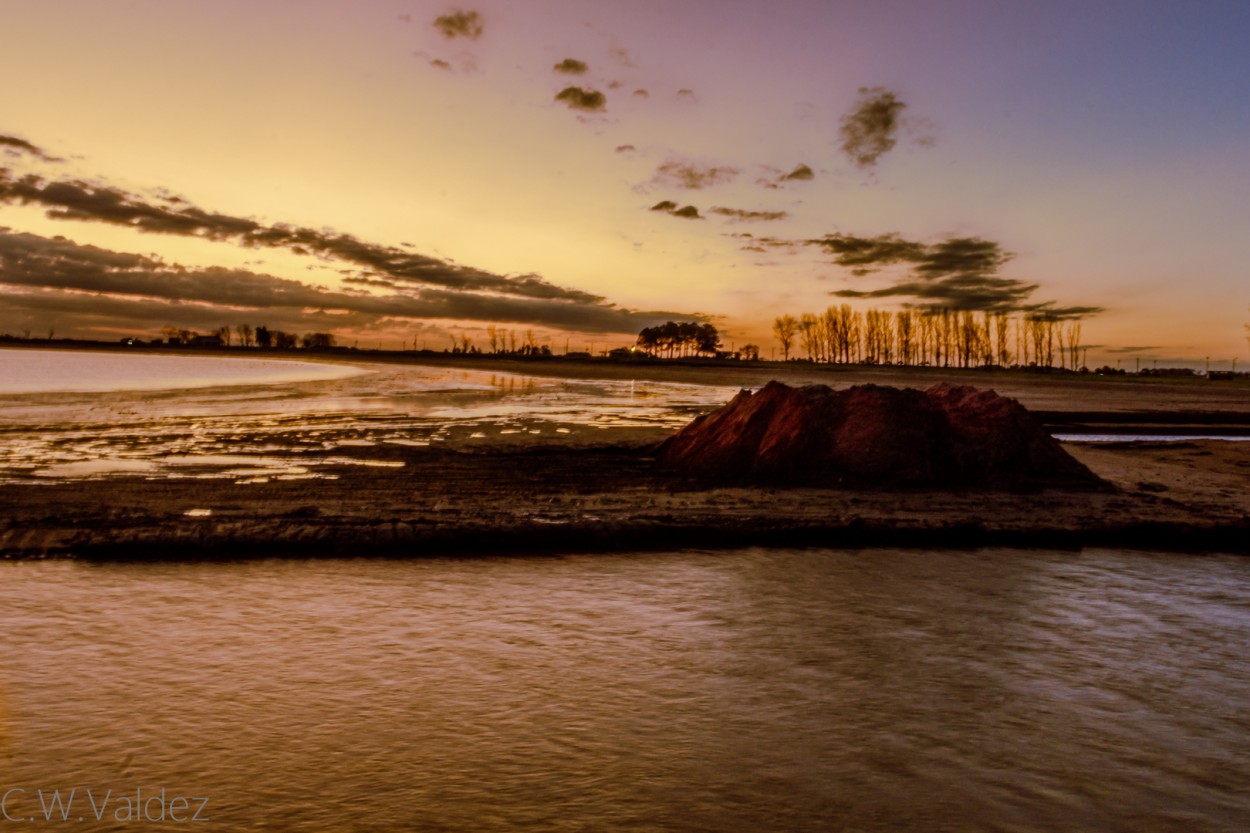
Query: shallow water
[(742, 691), (48, 371), (280, 428)]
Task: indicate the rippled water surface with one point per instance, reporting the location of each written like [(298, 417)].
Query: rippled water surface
[(744, 691)]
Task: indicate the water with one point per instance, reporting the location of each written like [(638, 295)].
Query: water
[(743, 691), (265, 426), (47, 371)]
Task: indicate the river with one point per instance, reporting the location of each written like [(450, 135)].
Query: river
[(755, 690)]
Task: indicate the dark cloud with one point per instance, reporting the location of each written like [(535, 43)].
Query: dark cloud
[(15, 145), (800, 174), (78, 200), (460, 24), (691, 175), (688, 212), (741, 216), (641, 93), (963, 292), (55, 275), (590, 101), (755, 243), (625, 148), (870, 130), (1133, 349), (571, 66), (868, 254), (439, 63), (955, 273), (686, 95)]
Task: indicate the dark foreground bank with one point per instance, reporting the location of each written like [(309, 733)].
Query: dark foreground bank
[(1188, 496)]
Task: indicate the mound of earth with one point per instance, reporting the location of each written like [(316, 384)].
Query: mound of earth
[(871, 435)]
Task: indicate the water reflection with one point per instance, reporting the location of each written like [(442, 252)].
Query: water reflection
[(297, 429), (757, 690)]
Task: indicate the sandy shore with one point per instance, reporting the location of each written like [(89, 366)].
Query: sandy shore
[(581, 488)]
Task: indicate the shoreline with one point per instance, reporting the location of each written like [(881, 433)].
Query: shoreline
[(1176, 497), (551, 487)]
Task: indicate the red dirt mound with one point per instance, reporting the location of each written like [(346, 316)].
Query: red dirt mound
[(871, 435)]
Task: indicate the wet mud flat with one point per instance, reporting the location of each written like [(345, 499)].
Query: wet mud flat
[(603, 492)]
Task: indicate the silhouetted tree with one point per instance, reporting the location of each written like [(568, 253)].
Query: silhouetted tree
[(784, 329), (264, 336), (244, 332), (317, 340)]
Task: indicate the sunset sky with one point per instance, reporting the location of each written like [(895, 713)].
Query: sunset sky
[(395, 170)]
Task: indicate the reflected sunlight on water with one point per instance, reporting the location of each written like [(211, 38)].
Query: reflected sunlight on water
[(742, 691)]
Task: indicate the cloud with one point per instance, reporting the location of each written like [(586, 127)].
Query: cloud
[(688, 212), (621, 56), (14, 145), (625, 148), (868, 254), (800, 174), (870, 130), (571, 66), (590, 101), (641, 93), (460, 24), (738, 215), (686, 95), (690, 175), (57, 276), (962, 292), (955, 273), (87, 202), (439, 63)]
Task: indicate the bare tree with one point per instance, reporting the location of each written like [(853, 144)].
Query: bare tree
[(784, 329), (244, 332), (1074, 344)]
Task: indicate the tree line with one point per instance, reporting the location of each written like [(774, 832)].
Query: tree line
[(678, 339), (247, 336), (934, 337)]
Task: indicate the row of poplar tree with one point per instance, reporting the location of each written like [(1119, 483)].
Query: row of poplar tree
[(934, 337)]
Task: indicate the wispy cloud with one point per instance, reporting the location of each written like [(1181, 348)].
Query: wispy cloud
[(739, 215), (691, 175), (957, 273), (870, 129), (56, 275), (89, 202), (16, 146)]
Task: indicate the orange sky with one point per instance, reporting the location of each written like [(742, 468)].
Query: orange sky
[(1106, 151)]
